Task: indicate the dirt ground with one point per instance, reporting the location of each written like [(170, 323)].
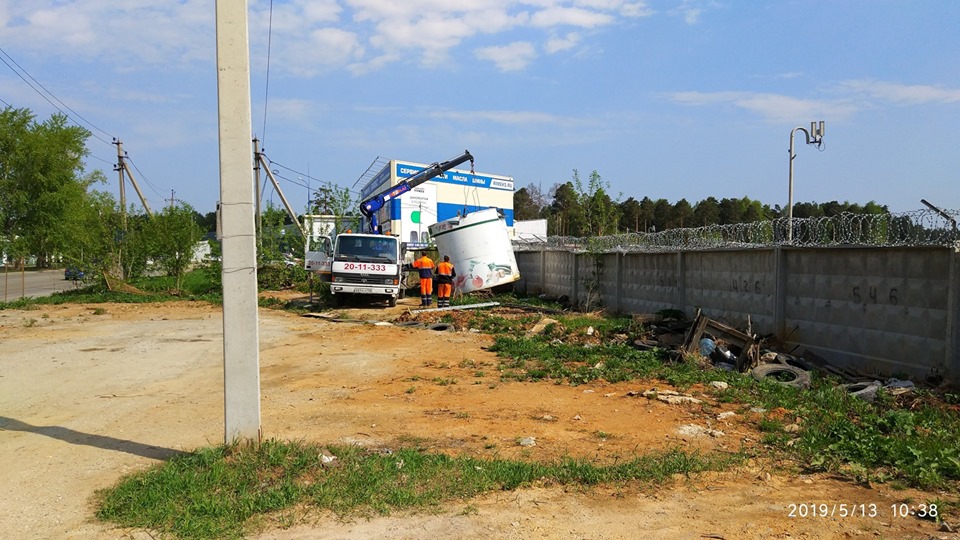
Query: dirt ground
[(89, 393)]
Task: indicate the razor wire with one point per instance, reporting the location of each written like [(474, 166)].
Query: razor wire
[(905, 229)]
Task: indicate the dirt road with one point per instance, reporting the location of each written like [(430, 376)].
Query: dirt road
[(89, 393)]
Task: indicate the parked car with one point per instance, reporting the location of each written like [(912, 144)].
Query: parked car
[(73, 274)]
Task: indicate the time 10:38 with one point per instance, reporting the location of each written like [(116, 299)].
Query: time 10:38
[(904, 510)]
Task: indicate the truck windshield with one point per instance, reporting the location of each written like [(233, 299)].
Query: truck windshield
[(367, 249)]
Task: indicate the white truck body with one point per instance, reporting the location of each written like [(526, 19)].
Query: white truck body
[(366, 264)]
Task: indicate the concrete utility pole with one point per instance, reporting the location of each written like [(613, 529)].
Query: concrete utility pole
[(241, 342), (256, 180), (123, 193), (124, 168), (814, 136)]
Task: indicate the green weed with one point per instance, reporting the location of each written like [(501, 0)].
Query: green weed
[(214, 493)]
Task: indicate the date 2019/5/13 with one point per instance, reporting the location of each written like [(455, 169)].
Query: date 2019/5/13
[(868, 510)]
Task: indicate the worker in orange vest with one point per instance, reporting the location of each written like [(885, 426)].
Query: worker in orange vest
[(424, 266), (445, 274)]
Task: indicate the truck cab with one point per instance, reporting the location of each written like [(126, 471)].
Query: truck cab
[(368, 264)]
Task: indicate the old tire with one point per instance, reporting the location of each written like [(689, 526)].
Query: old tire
[(784, 374), (441, 327), (410, 324), (790, 360), (866, 391)]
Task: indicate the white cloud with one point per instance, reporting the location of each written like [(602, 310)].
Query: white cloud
[(512, 57), (322, 50), (567, 16), (294, 110), (359, 35), (691, 10), (557, 44), (901, 94), (841, 101), (636, 9), (772, 107), (499, 117)]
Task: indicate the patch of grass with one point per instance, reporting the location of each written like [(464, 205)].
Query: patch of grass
[(888, 440), (98, 294), (911, 439), (218, 492), (537, 358)]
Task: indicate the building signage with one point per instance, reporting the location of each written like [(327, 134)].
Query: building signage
[(406, 170)]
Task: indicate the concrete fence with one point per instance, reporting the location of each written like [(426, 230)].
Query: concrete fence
[(887, 311)]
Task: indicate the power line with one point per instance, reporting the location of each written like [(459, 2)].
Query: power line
[(101, 159), (20, 72), (266, 90), (78, 115), (142, 176), (305, 175)]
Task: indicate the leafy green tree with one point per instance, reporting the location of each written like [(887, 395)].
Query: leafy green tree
[(524, 207), (647, 210), (42, 183), (332, 200), (176, 235), (682, 214), (566, 215), (600, 212), (662, 214), (207, 222), (751, 210), (95, 234), (136, 244), (707, 212), (630, 215), (275, 240), (805, 210), (730, 211)]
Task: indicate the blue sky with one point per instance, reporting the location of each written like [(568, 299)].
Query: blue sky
[(666, 99)]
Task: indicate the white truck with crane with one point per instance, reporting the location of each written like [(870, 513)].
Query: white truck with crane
[(372, 263)]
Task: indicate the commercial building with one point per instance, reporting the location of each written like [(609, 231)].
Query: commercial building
[(455, 192)]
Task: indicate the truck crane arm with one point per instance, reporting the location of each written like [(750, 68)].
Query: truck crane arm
[(371, 206)]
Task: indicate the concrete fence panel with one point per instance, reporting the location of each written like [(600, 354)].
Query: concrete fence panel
[(732, 286), (651, 282), (888, 311)]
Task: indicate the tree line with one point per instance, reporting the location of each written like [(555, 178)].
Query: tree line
[(578, 208), (50, 211)]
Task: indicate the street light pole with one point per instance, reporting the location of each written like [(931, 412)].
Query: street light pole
[(814, 136)]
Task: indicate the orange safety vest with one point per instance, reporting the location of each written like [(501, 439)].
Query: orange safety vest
[(425, 267), (445, 272)]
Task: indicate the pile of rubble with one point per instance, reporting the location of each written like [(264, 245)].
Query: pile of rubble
[(725, 347)]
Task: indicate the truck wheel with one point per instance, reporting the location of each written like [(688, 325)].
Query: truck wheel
[(393, 301), (339, 300)]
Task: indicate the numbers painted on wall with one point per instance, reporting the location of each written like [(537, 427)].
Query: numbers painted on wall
[(747, 286), (875, 295)]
